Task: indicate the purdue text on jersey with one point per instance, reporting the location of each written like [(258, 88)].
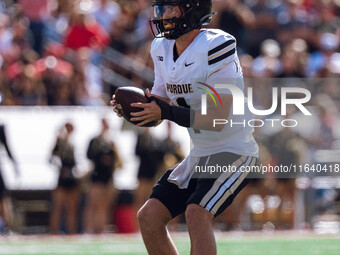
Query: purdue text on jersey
[(179, 88)]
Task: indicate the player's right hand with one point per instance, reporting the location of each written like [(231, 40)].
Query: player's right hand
[(113, 103)]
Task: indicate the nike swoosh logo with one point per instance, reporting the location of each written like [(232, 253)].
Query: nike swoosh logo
[(186, 65)]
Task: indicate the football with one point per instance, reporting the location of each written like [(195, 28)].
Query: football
[(124, 97)]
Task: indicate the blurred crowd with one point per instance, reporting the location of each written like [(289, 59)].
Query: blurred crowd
[(52, 53)]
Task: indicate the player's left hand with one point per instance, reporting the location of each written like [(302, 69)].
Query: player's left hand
[(113, 103), (150, 113)]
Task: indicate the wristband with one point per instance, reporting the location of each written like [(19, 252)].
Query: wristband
[(180, 115)]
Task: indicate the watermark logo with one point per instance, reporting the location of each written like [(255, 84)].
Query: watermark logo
[(204, 97), (281, 98), (239, 99)]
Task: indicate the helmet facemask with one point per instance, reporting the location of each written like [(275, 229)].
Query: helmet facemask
[(173, 18)]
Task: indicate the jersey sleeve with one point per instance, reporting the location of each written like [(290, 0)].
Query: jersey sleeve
[(158, 88), (224, 66), (230, 73), (221, 52)]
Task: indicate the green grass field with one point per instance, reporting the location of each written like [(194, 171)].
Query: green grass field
[(228, 243)]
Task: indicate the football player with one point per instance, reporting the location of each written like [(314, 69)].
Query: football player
[(183, 52), (6, 208)]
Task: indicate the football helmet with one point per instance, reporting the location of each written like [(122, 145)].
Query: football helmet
[(173, 18)]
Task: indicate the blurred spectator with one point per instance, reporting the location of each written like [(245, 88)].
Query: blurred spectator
[(6, 36), (55, 74), (235, 18), (155, 155), (85, 31), (117, 37), (57, 24), (148, 149), (328, 114), (294, 58), (22, 36), (319, 60), (106, 12), (66, 195), (171, 148), (292, 19), (37, 11), (142, 33), (93, 79), (6, 210), (287, 148), (104, 155), (265, 23), (246, 62), (32, 91), (267, 64)]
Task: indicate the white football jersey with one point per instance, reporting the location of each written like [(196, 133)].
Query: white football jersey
[(211, 55)]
